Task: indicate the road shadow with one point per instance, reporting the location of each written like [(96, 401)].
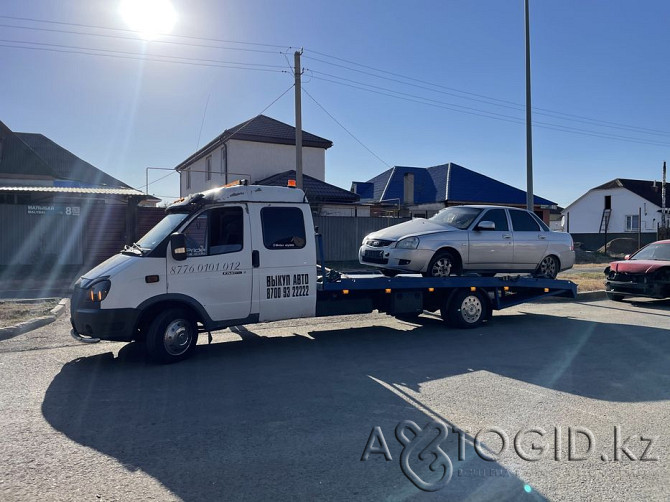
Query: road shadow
[(289, 417), (265, 418)]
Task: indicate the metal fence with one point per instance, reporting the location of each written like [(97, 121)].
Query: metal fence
[(88, 233), (342, 235)]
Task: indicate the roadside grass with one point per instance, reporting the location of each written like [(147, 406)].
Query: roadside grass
[(586, 281), (12, 312)]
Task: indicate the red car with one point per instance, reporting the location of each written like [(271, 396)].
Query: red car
[(644, 273)]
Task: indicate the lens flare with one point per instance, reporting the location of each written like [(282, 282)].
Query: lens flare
[(150, 18)]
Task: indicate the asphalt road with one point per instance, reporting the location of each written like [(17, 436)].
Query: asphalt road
[(283, 411)]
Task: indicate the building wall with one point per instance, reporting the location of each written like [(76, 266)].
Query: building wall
[(585, 214), (344, 210), (342, 236), (252, 161)]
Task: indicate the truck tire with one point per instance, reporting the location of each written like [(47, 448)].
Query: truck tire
[(171, 336), (466, 309)]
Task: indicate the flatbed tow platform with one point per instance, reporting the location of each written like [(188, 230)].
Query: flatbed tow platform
[(464, 301)]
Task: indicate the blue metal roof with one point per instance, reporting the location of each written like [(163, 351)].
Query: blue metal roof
[(448, 182)]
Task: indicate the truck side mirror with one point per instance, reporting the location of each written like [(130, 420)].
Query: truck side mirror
[(627, 257), (486, 225), (178, 246)]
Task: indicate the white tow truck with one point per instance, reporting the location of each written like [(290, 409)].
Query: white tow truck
[(245, 254)]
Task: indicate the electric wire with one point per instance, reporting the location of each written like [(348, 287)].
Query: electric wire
[(617, 124), (346, 130), (98, 27), (138, 39), (481, 113), (141, 57), (242, 126)]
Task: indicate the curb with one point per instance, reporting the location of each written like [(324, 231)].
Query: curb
[(587, 296), (25, 327), (590, 296)]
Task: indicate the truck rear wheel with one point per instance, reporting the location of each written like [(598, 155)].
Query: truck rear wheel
[(467, 309), (171, 336)]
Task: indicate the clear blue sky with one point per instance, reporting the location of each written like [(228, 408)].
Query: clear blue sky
[(600, 81)]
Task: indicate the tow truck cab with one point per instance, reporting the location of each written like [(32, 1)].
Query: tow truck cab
[(228, 256)]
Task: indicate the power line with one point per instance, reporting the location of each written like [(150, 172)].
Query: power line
[(498, 102), (137, 39), (486, 114), (347, 130), (406, 80), (231, 135), (99, 27), (140, 57)]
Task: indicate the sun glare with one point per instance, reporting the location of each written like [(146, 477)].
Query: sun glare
[(150, 18)]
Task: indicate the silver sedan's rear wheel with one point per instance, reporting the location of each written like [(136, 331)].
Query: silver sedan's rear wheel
[(443, 264), (548, 267)]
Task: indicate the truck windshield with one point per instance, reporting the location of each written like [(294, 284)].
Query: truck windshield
[(459, 217), (162, 229)]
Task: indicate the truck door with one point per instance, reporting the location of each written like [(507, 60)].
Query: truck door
[(285, 261), (217, 272)]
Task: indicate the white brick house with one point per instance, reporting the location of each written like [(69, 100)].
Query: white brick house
[(254, 150)]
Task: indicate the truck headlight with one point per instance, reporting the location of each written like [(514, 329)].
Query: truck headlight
[(408, 243), (98, 290)]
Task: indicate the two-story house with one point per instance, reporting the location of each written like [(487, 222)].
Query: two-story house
[(253, 150)]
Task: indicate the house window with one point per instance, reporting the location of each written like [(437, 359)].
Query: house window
[(632, 223), (188, 178), (209, 167)]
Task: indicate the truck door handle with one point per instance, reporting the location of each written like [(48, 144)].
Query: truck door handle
[(255, 259), (507, 236), (542, 236)]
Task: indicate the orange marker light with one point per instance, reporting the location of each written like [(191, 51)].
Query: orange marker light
[(387, 290), (345, 291), (546, 290), (506, 288), (291, 184), (472, 288), (431, 290)]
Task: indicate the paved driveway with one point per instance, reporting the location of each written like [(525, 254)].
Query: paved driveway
[(284, 411)]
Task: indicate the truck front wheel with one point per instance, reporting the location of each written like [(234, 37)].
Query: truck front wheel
[(172, 336)]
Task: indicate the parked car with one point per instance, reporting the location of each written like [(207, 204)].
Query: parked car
[(461, 239), (644, 273)]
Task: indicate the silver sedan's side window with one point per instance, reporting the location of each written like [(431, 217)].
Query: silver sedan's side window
[(498, 217), (523, 222)]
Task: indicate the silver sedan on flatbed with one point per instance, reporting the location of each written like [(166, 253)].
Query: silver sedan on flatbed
[(461, 239)]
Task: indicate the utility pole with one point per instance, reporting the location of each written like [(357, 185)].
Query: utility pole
[(298, 120), (529, 133), (664, 220)]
